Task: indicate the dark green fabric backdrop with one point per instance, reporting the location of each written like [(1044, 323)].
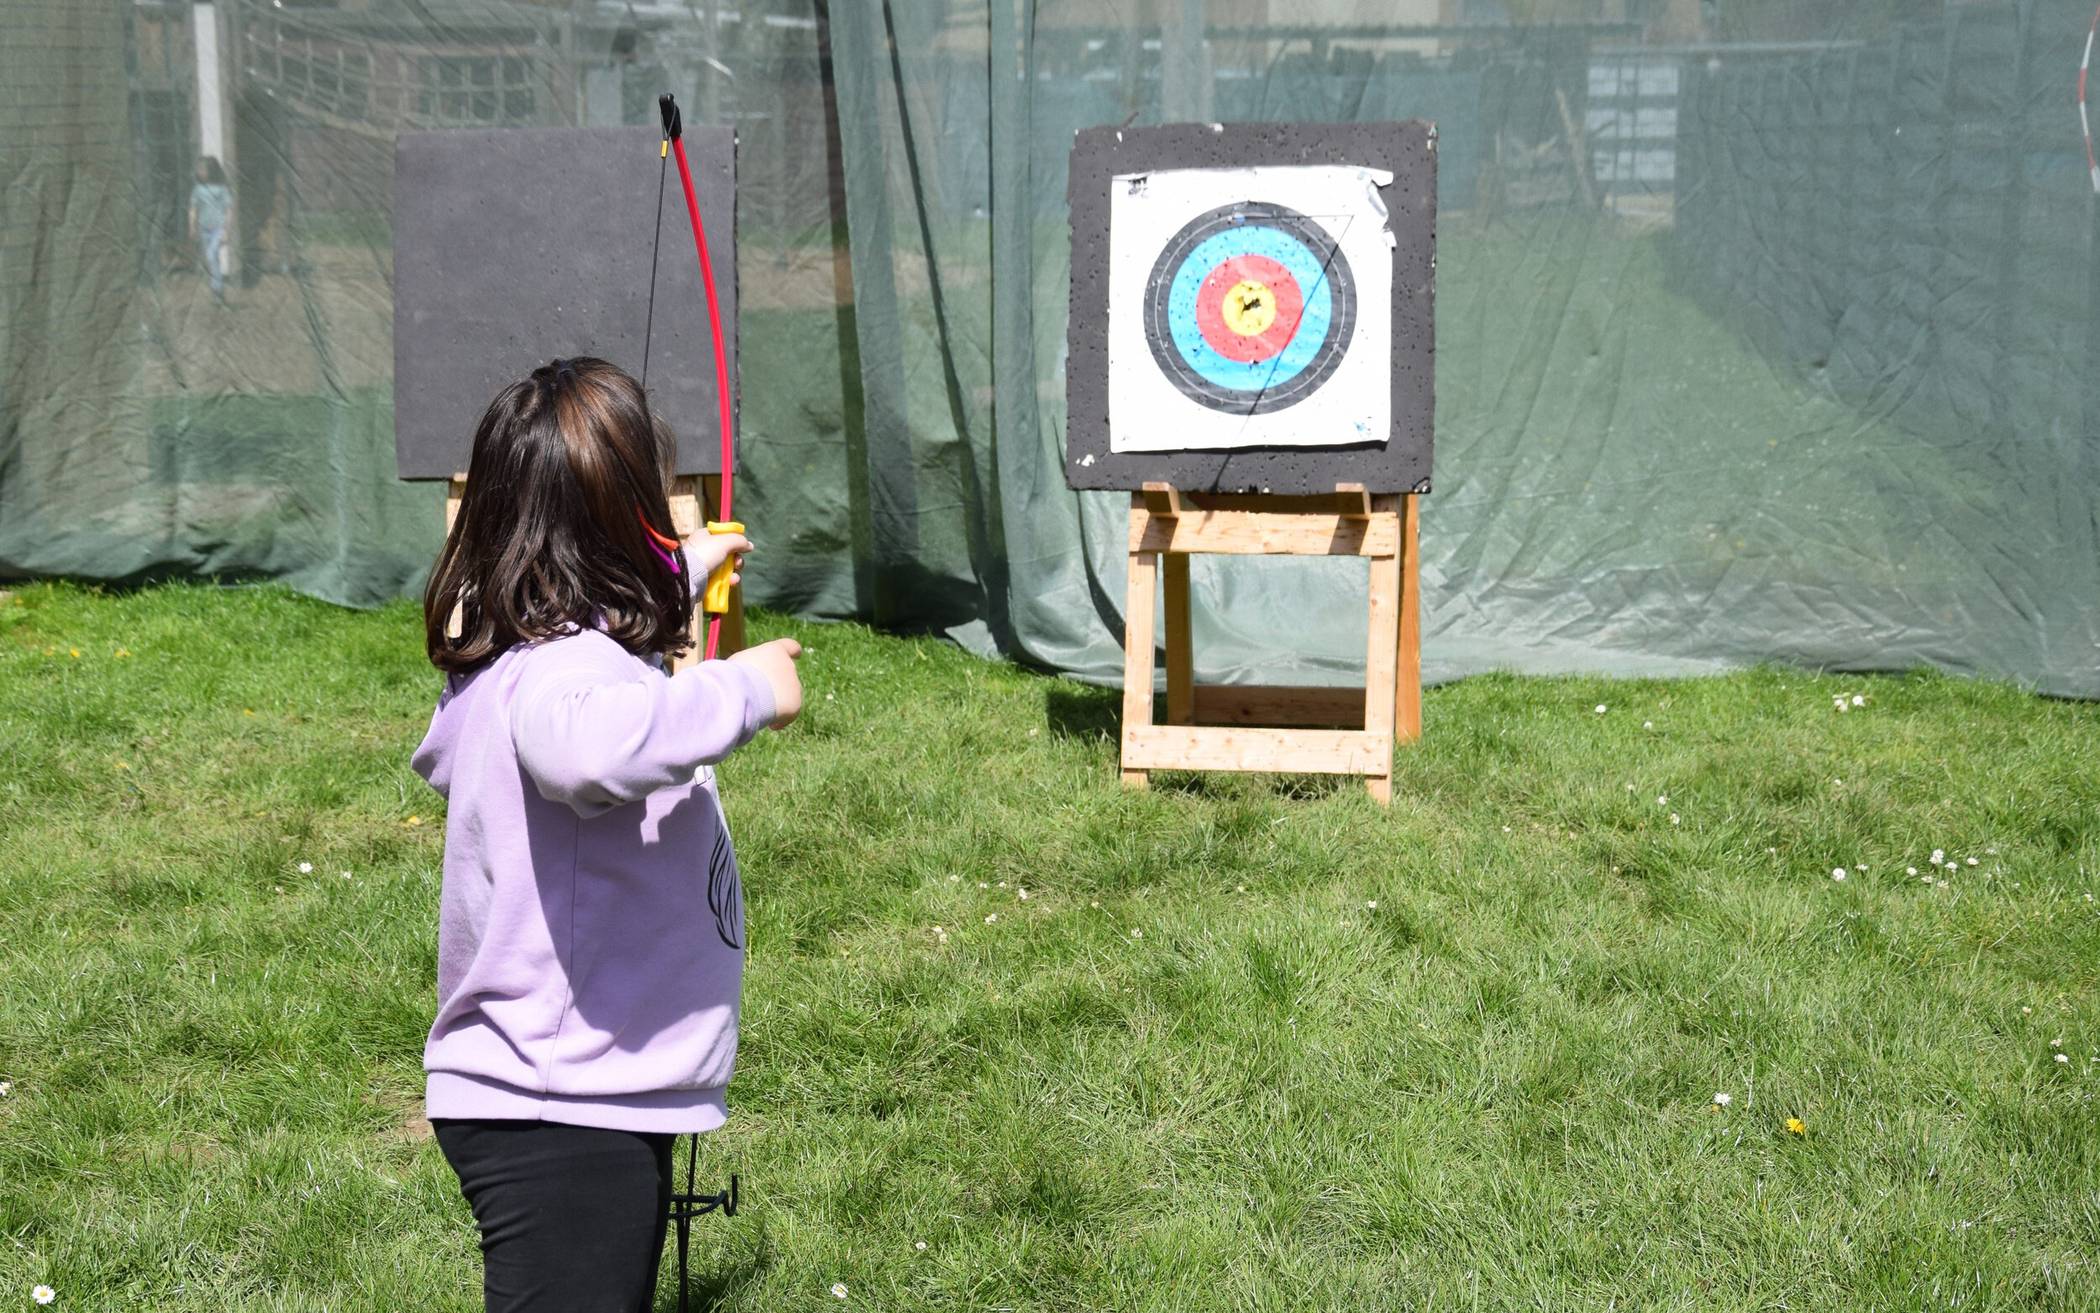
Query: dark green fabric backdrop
[(1766, 331)]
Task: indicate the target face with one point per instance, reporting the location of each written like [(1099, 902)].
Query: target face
[(1237, 308), (1251, 308)]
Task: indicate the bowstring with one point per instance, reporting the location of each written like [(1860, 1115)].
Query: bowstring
[(656, 245)]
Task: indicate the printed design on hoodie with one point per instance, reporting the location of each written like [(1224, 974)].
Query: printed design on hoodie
[(725, 890)]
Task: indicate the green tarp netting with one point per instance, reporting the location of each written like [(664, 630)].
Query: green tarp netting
[(1765, 329)]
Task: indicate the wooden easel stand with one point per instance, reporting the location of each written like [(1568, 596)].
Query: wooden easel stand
[(1261, 728), (693, 502)]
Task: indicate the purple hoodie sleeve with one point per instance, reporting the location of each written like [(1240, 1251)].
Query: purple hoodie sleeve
[(596, 728)]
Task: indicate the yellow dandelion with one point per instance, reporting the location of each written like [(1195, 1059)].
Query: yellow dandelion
[(1795, 1126), (121, 653), (75, 652), (413, 820)]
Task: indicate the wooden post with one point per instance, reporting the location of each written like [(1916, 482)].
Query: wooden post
[(1330, 730), (1382, 661), (1407, 700), (1181, 655), (1137, 648)]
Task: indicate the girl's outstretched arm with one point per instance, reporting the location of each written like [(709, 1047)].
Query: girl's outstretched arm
[(594, 728)]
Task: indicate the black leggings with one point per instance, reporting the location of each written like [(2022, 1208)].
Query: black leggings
[(572, 1218)]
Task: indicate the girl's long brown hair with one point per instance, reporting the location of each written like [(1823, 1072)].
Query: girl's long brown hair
[(567, 466)]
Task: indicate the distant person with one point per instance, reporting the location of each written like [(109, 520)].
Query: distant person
[(211, 213), (591, 923)]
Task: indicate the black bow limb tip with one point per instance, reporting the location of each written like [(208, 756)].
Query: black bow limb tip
[(689, 1204)]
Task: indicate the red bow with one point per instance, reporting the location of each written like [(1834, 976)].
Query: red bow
[(674, 144)]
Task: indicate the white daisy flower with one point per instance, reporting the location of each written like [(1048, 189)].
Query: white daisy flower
[(1647, 724), (7, 1087), (988, 920), (1137, 934), (1600, 708), (1837, 873), (1910, 870), (43, 1294), (1662, 799), (306, 868), (838, 1290), (1858, 700), (1723, 1099), (2063, 1057), (921, 1246), (1373, 904), (1972, 861), (2026, 1011), (1673, 818), (1938, 856), (1023, 895)]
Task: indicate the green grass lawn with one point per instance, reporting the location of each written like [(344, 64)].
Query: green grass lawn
[(1246, 1043)]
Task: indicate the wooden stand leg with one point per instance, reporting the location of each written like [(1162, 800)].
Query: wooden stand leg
[(688, 518), (455, 495), (1181, 656), (1137, 657), (733, 620), (1381, 664), (1407, 703)]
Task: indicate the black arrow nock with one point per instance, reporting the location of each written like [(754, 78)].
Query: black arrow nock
[(674, 122)]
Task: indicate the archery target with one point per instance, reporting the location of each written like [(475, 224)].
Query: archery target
[(1237, 320), (1250, 309)]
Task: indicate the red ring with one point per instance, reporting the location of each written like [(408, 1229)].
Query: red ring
[(1210, 308)]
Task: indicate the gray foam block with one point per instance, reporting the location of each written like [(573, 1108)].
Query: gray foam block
[(1400, 463), (513, 247)]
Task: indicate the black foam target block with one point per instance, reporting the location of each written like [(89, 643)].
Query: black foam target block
[(1400, 460), (513, 247)]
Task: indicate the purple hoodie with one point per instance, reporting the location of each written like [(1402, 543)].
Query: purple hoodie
[(591, 930)]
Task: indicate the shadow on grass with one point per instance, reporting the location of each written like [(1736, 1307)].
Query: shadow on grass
[(708, 1291), (1075, 711)]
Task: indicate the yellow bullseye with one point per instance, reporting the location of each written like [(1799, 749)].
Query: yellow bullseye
[(1249, 308)]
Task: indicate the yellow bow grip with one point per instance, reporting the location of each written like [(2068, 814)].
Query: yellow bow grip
[(715, 600)]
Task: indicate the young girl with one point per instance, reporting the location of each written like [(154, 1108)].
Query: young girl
[(590, 932)]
